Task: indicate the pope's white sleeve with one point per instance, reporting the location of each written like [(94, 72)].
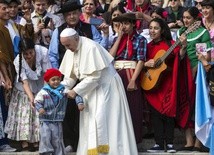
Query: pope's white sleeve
[(68, 82), (89, 83)]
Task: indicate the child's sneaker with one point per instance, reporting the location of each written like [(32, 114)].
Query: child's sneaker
[(156, 148), (170, 148)]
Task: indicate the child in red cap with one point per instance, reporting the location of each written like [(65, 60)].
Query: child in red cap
[(51, 102)]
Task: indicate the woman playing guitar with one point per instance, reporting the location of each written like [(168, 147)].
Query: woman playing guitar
[(163, 98)]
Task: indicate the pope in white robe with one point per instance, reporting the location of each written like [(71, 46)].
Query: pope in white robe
[(105, 122)]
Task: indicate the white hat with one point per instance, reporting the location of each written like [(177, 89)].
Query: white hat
[(68, 32)]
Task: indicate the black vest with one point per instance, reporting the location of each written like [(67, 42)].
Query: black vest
[(83, 29)]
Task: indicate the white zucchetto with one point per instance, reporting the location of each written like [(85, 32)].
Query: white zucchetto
[(68, 32)]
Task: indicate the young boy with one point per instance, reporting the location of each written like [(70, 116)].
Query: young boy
[(51, 102), (42, 19)]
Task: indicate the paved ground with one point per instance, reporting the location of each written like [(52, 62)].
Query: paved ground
[(178, 153), (179, 141)]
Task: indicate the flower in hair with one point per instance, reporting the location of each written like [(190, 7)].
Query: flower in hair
[(165, 14), (200, 15)]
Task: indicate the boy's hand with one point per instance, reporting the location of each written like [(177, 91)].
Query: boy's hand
[(81, 107), (41, 111)]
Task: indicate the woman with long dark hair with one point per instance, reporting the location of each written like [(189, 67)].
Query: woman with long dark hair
[(23, 122), (189, 41), (162, 98)]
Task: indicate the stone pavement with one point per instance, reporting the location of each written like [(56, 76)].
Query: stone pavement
[(144, 153), (179, 141)]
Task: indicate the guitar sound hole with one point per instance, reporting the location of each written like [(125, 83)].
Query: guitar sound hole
[(158, 63)]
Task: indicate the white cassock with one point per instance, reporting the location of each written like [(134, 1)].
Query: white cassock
[(105, 123)]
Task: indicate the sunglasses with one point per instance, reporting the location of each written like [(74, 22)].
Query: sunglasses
[(197, 3), (173, 0)]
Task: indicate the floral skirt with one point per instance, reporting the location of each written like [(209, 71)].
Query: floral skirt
[(22, 122)]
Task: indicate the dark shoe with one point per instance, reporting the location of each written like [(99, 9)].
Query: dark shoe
[(170, 148), (33, 149), (156, 149), (205, 149), (196, 149), (188, 148)]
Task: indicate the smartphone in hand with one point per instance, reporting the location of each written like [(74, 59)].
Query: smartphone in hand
[(95, 21), (201, 48), (47, 20)]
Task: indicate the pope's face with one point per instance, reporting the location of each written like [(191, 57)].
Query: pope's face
[(70, 43)]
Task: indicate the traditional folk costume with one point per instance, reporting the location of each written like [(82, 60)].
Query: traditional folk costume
[(9, 39), (9, 33), (131, 50), (188, 68), (105, 123), (211, 32), (163, 98), (23, 122)]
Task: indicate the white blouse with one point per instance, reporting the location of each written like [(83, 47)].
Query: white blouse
[(34, 77)]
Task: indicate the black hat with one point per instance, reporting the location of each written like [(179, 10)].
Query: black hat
[(125, 17), (69, 6), (16, 1), (208, 3), (5, 1)]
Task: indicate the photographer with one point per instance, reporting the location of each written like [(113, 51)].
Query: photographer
[(42, 19)]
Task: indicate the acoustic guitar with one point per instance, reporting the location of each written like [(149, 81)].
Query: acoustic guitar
[(150, 76)]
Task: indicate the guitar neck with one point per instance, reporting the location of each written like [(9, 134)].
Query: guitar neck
[(169, 51), (192, 28)]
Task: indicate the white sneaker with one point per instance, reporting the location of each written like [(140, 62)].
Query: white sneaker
[(7, 148), (170, 148), (156, 149), (68, 149)]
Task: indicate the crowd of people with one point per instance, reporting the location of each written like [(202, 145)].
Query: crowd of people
[(86, 76)]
